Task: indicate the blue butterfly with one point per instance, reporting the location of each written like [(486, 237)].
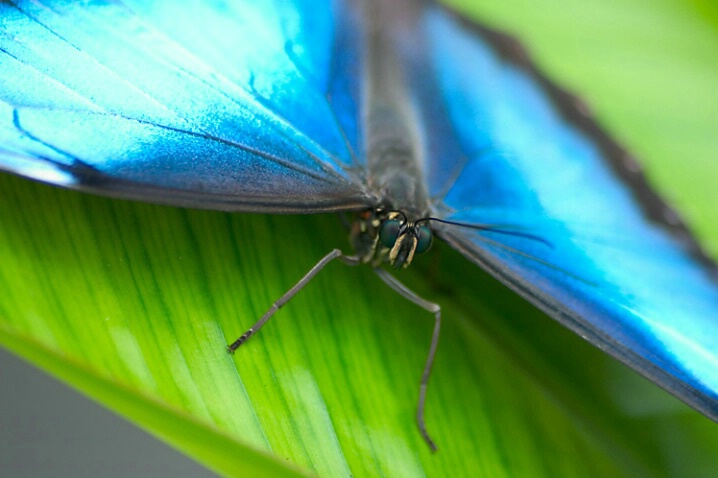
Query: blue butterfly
[(421, 122)]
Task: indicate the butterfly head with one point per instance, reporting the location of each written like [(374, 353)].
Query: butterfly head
[(403, 239), (389, 236)]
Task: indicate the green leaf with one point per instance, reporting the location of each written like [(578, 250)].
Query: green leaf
[(134, 303)]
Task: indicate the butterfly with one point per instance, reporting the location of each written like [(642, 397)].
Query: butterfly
[(416, 120)]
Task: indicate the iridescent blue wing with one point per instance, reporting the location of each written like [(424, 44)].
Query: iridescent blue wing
[(577, 231), (237, 106)]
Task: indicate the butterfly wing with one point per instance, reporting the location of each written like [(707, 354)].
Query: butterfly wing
[(576, 229), (250, 108), (242, 106)]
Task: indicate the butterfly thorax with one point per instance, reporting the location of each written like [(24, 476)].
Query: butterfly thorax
[(394, 150), (396, 230), (392, 232)]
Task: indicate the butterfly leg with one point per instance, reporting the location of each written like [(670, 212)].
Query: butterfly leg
[(408, 294), (334, 254)]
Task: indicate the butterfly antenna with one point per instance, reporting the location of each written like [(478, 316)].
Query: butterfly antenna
[(507, 230)]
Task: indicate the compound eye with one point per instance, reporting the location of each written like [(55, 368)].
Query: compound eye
[(388, 232), (425, 236)]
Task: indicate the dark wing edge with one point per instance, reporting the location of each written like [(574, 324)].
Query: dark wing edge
[(83, 177), (93, 182)]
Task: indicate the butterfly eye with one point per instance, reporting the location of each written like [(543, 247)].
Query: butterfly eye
[(424, 239), (388, 232)]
